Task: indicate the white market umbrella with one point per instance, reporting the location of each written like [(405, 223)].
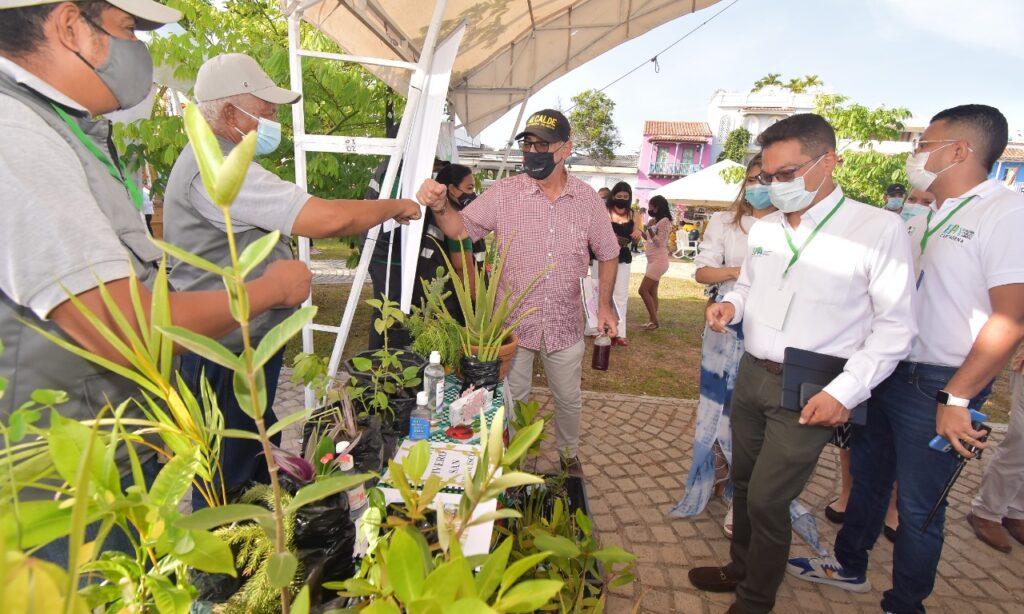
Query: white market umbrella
[(704, 188), (511, 48)]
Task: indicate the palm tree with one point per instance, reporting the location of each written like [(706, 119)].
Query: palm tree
[(771, 78), (796, 86), (812, 81)]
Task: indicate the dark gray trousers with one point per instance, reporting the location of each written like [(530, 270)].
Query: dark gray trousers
[(773, 456)]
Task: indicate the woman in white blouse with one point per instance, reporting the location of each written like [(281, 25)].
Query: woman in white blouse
[(718, 261)]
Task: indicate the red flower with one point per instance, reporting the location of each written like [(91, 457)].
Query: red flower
[(326, 458)]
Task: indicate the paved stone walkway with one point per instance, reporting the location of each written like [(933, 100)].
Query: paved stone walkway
[(636, 452)]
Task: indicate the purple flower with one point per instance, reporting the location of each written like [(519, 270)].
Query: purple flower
[(298, 468)]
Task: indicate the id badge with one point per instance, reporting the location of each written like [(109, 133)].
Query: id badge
[(774, 307)]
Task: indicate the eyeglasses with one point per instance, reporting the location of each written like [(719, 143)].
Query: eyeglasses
[(538, 146), (785, 176), (915, 143)]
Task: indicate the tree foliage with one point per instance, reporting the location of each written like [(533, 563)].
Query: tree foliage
[(593, 130), (797, 85), (735, 147), (864, 175), (859, 123), (340, 98)]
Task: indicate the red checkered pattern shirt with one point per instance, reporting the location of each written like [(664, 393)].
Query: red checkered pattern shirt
[(544, 233)]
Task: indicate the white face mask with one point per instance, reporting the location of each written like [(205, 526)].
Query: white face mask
[(920, 177), (915, 172), (793, 195)]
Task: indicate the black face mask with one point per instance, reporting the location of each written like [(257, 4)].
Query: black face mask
[(466, 198), (620, 204), (538, 165)]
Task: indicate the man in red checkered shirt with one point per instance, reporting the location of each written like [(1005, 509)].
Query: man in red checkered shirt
[(547, 218)]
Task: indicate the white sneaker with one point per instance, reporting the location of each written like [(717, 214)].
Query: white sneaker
[(827, 570)]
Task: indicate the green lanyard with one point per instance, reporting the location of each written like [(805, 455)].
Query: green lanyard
[(119, 174), (929, 231), (814, 233)]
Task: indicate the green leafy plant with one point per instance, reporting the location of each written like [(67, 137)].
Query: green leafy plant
[(585, 568), (525, 414), (75, 463), (430, 329), (79, 475), (487, 318), (253, 553), (735, 147), (407, 572), (388, 377)]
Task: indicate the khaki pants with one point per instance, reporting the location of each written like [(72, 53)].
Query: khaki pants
[(564, 370), (1002, 489)]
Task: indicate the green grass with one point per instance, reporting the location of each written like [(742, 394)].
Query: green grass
[(663, 363), (331, 249)]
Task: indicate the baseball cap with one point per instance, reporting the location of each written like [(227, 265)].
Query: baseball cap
[(149, 15), (549, 125), (230, 74), (896, 188)]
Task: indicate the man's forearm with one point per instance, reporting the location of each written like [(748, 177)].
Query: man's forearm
[(991, 350), (358, 216), (450, 222), (606, 271), (320, 218)]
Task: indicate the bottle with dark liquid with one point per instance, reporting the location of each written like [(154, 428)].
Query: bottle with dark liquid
[(602, 352)]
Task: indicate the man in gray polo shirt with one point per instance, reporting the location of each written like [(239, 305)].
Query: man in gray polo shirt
[(236, 97), (68, 216)]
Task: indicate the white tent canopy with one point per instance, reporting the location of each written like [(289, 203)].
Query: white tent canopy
[(510, 50), (706, 187)]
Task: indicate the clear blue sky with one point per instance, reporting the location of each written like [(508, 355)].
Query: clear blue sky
[(926, 55)]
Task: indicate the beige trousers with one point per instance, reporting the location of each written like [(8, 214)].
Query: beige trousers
[(564, 370), (1002, 487)]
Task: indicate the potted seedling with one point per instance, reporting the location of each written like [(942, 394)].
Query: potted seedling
[(384, 382), (488, 306), (430, 329)]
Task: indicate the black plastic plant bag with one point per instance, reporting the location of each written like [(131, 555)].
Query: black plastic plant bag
[(479, 374)]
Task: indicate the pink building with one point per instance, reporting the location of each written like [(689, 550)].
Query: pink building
[(670, 151)]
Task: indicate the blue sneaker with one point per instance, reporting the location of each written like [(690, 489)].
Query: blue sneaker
[(827, 570)]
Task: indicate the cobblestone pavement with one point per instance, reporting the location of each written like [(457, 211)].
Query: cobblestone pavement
[(636, 452)]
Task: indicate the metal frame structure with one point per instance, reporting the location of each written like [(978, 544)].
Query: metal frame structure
[(416, 134)]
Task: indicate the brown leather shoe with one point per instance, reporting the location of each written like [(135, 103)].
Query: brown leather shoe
[(1015, 527), (990, 532), (713, 579)]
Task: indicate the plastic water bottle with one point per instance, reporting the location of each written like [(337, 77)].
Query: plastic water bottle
[(419, 421), (356, 494), (602, 352), (433, 382)]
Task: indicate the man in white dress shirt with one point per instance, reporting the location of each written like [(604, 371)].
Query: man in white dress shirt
[(826, 274), (970, 312)]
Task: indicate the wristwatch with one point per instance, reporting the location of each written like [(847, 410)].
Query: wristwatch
[(944, 398)]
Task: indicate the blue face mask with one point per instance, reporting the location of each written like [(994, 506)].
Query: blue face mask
[(268, 134), (759, 197), (893, 203)]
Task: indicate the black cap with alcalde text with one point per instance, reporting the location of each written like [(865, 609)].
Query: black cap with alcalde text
[(549, 125)]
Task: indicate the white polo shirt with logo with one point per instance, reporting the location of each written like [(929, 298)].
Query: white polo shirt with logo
[(979, 248)]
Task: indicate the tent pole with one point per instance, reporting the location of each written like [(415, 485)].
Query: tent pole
[(515, 131), (301, 179), (417, 84)]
